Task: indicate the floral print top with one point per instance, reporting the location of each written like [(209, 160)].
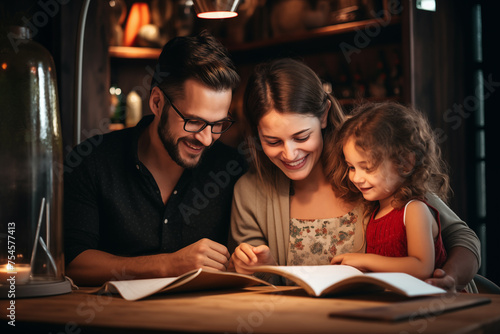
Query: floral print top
[(316, 241)]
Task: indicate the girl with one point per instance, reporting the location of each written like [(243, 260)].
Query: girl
[(392, 159)]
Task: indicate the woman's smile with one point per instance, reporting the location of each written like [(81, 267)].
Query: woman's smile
[(296, 164), (293, 142)]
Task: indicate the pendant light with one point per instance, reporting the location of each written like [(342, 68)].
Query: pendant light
[(216, 9)]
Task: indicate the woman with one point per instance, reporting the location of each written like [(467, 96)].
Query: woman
[(285, 210)]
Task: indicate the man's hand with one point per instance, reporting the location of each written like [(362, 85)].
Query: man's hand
[(205, 253), (442, 280), (246, 256), (93, 267)]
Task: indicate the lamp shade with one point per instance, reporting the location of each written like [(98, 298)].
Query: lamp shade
[(216, 9)]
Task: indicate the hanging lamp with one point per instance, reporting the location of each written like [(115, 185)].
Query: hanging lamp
[(216, 9)]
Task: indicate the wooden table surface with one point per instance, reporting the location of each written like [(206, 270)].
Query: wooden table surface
[(260, 309)]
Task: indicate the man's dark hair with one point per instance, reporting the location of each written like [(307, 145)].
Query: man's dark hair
[(200, 57)]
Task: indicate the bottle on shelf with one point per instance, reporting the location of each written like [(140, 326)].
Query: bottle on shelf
[(359, 85), (117, 15), (185, 18), (138, 17), (342, 86), (117, 108), (378, 83), (133, 109), (395, 75)]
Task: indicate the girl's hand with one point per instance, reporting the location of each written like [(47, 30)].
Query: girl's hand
[(356, 260), (246, 256)]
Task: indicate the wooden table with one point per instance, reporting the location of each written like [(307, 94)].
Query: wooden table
[(260, 309)]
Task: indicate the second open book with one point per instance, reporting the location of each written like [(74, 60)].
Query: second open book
[(315, 280), (333, 279)]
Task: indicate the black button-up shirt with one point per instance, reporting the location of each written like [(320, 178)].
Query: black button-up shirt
[(112, 202)]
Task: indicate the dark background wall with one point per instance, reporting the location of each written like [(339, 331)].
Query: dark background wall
[(440, 45)]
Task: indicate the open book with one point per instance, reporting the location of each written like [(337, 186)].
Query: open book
[(195, 280), (315, 280), (333, 279)]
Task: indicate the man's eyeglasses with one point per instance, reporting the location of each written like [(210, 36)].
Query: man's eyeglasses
[(197, 124)]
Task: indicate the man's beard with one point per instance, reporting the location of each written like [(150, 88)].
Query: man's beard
[(172, 146)]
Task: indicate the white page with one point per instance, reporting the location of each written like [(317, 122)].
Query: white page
[(137, 289), (410, 284), (321, 277)]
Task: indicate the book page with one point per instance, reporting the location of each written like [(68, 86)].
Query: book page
[(314, 279), (405, 284), (332, 279), (140, 288), (195, 280)]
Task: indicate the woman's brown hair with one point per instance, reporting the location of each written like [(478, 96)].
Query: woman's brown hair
[(285, 85)]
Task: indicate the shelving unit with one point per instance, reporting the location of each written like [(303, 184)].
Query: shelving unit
[(252, 46), (311, 45), (343, 28)]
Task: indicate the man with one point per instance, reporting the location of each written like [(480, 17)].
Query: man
[(154, 200)]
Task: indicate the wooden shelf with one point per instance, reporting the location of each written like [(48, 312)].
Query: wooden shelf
[(336, 29), (134, 52), (153, 53)]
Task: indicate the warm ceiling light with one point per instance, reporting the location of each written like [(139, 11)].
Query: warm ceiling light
[(216, 9)]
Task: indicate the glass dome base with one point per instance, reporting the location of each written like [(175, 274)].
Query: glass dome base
[(37, 289)]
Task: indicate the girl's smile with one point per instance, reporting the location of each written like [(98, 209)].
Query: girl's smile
[(376, 184)]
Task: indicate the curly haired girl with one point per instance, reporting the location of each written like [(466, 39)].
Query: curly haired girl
[(391, 158)]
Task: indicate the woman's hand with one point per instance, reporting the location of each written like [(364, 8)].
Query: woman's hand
[(246, 256)]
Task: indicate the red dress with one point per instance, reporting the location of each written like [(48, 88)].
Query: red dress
[(387, 236)]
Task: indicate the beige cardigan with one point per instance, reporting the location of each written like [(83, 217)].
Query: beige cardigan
[(261, 214)]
